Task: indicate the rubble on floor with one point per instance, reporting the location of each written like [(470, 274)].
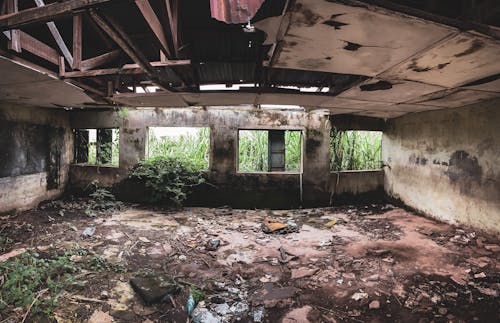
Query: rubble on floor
[(370, 263)]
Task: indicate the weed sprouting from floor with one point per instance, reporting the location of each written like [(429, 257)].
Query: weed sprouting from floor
[(39, 280), (101, 199)]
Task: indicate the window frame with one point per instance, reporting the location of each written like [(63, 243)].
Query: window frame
[(237, 150), (96, 164)]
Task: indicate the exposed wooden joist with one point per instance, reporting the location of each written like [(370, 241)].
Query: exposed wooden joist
[(127, 69), (77, 41), (38, 48), (99, 60), (172, 10), (154, 23), (57, 36), (14, 42), (117, 34), (46, 13), (124, 43)]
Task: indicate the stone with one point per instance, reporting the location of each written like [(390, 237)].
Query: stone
[(222, 309), (374, 305), (480, 275), (154, 289), (100, 317), (303, 272), (203, 315), (358, 296), (297, 315)]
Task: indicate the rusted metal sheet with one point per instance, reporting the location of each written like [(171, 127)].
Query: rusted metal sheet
[(234, 11)]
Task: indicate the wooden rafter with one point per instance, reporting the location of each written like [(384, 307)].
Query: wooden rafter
[(57, 36), (99, 60), (120, 37), (127, 69), (172, 10), (77, 41), (46, 13), (154, 23), (38, 48), (15, 38)]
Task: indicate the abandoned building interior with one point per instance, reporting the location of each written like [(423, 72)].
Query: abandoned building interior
[(249, 160)]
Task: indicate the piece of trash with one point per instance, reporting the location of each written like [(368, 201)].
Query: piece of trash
[(480, 275), (374, 305), (203, 315), (222, 309), (182, 258), (212, 244), (190, 304), (88, 232), (144, 239), (270, 227), (358, 296), (285, 256), (330, 224), (258, 315)]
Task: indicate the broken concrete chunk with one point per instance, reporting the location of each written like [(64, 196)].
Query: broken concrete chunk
[(374, 305), (154, 289), (100, 317), (303, 272), (358, 296)]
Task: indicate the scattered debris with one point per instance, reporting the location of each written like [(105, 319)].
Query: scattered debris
[(212, 244), (285, 256), (374, 305), (88, 232), (359, 295), (154, 289)]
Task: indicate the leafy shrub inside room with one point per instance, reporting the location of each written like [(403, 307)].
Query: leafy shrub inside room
[(355, 150)]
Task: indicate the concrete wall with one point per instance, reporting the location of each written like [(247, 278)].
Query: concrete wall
[(446, 163), (35, 152), (234, 188)]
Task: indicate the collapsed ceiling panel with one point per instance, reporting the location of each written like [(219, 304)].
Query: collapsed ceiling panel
[(332, 37), (24, 85), (455, 98), (389, 91), (461, 59)]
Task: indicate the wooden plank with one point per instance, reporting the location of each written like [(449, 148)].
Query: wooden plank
[(14, 42), (154, 23), (38, 48), (99, 60), (77, 41), (127, 69), (46, 13), (172, 10), (57, 37), (123, 41)]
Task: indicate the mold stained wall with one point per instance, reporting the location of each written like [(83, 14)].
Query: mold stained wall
[(446, 164), (233, 188), (35, 151)]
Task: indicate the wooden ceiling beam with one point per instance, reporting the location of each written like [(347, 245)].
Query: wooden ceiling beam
[(127, 69), (172, 14), (154, 23), (97, 61), (77, 41), (121, 38), (57, 37), (14, 42), (46, 13), (38, 48)]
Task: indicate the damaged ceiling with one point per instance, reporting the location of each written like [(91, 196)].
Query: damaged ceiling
[(373, 58)]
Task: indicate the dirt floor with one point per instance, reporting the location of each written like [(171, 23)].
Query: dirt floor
[(373, 263)]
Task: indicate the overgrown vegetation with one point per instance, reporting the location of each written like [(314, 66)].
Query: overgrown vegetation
[(108, 151), (194, 148), (35, 282), (168, 179), (101, 199), (253, 150), (355, 150)]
